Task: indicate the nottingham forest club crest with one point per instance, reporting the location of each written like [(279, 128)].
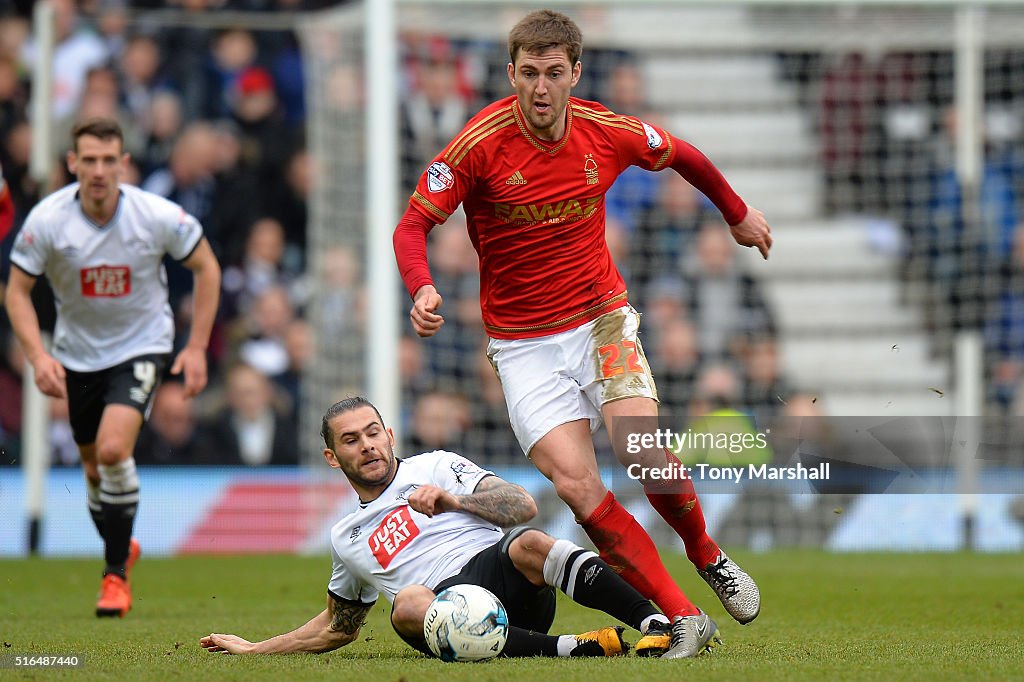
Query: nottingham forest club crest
[(590, 169)]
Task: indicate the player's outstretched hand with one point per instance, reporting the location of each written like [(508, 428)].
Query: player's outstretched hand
[(192, 361), (753, 230), (50, 376), (430, 500), (425, 319), (226, 644)]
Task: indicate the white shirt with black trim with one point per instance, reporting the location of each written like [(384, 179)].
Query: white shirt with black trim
[(385, 545), (109, 280)]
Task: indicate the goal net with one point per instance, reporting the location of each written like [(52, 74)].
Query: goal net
[(896, 231)]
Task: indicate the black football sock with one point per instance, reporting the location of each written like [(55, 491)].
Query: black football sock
[(119, 499), (524, 643), (589, 581)]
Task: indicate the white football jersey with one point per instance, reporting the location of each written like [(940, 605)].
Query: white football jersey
[(109, 281), (384, 545)]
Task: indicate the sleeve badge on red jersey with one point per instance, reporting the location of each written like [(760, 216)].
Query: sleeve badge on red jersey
[(653, 138), (439, 177)]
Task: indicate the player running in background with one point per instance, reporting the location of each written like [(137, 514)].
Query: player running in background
[(101, 245), (404, 541), (531, 172)]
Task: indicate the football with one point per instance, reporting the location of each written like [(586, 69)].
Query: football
[(465, 623)]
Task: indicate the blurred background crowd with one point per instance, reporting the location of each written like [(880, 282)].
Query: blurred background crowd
[(214, 120)]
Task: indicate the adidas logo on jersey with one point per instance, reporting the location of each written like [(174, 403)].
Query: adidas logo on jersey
[(516, 179)]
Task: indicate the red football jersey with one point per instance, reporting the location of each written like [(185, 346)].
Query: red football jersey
[(536, 211)]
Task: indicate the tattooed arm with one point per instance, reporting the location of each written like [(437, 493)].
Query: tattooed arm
[(334, 627), (494, 500)]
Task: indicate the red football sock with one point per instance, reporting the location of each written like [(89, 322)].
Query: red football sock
[(628, 549), (677, 502)]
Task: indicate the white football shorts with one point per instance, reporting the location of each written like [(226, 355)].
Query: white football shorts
[(552, 380)]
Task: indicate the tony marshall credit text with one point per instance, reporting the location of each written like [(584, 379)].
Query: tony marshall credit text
[(750, 472)]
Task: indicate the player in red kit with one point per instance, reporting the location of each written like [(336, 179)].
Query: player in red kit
[(531, 172)]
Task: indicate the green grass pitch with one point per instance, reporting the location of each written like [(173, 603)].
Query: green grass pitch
[(824, 616)]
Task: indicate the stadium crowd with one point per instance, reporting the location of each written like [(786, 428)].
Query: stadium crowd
[(888, 125), (214, 120)]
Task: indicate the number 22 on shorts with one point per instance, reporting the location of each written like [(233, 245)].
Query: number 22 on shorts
[(619, 358)]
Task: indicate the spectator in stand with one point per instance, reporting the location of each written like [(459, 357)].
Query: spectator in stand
[(665, 231), (186, 51), (665, 301), (345, 90), (289, 202), (188, 177), (455, 262), (110, 18), (1004, 326), (139, 66), (956, 255), (258, 337), (183, 328), (77, 50), (440, 421), (716, 410), (491, 433), (725, 301), (301, 348), (412, 372), (636, 190), (264, 264), (289, 75), (13, 95), (17, 150), (171, 436), (251, 429), (233, 52), (188, 180), (434, 108), (676, 363), (849, 119), (63, 450), (342, 305), (100, 98), (341, 295), (237, 198), (765, 390), (719, 387), (14, 33), (164, 122), (267, 141)]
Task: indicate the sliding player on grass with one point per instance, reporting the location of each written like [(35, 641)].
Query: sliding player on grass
[(435, 520)]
